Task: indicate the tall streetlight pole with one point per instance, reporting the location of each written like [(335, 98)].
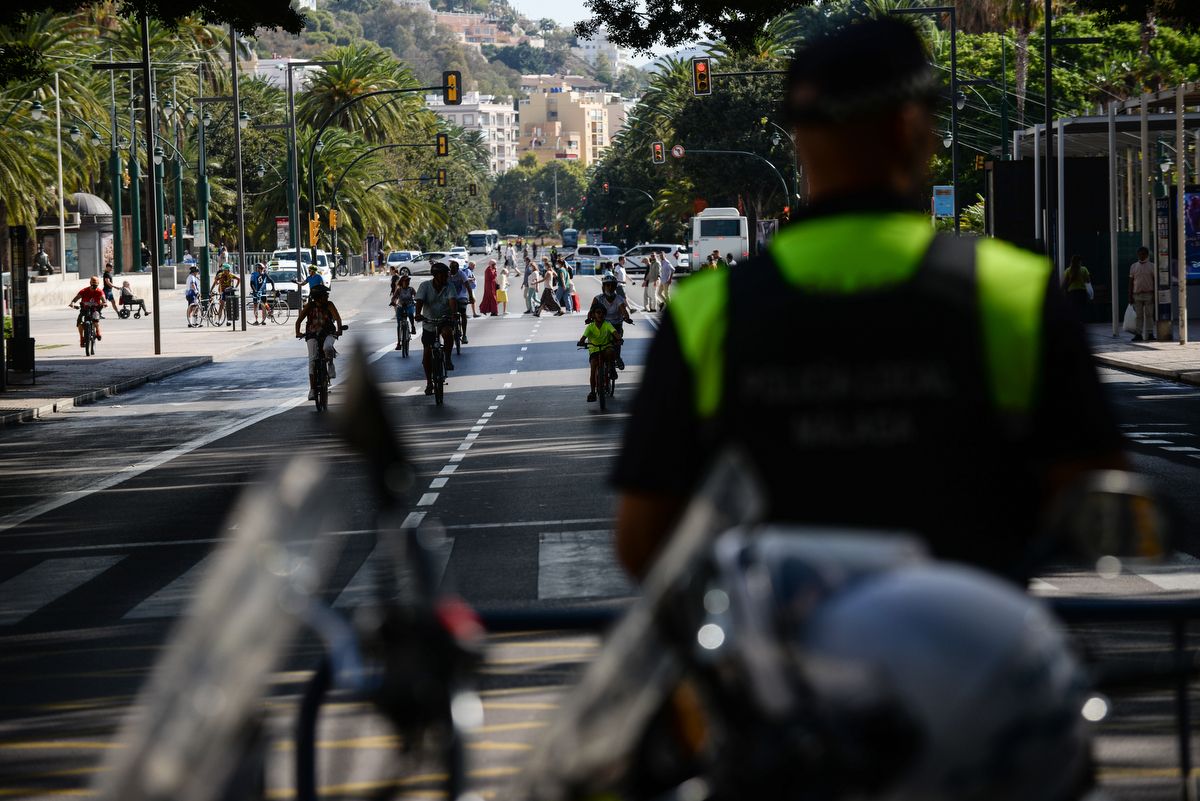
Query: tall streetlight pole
[(954, 98), (148, 105), (62, 213), (115, 171), (135, 184), (240, 122)]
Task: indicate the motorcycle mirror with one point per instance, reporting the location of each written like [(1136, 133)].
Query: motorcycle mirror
[(1110, 515)]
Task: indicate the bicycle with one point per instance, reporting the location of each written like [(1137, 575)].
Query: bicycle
[(405, 335), (342, 269), (90, 315), (272, 306), (214, 311), (194, 314), (608, 386), (321, 371), (437, 358)]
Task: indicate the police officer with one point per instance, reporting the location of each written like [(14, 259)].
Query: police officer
[(876, 375)]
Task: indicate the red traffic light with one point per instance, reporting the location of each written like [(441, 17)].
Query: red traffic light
[(659, 153), (606, 187), (701, 77)]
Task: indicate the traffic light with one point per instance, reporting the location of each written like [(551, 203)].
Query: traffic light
[(659, 153), (333, 219), (979, 162), (701, 77), (172, 229), (452, 88), (441, 176), (472, 189), (606, 187), (314, 230), (443, 144)]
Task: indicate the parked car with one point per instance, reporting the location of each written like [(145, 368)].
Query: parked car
[(285, 282), (403, 259), (287, 258), (676, 254), (421, 265)]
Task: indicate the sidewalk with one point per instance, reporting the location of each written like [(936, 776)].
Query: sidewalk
[(1168, 360), (124, 357)]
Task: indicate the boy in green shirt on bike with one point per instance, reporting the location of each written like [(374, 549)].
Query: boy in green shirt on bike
[(599, 335)]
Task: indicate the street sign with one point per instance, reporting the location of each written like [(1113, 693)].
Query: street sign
[(283, 233), (677, 151), (943, 201), (200, 233)]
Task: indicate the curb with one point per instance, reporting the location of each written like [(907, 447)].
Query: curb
[(91, 396), (1181, 376)]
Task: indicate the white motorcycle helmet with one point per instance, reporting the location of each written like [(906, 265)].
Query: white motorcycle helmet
[(980, 672)]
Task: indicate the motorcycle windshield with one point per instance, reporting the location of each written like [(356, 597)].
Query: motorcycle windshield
[(591, 744)]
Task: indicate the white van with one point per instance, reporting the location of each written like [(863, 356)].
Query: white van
[(720, 229), (287, 258)]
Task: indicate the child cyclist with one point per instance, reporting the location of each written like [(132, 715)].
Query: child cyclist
[(599, 335), (404, 298)]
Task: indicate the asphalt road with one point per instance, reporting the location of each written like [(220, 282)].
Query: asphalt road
[(110, 513)]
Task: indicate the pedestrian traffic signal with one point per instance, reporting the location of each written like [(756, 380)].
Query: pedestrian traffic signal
[(441, 176), (314, 230), (443, 144), (333, 219), (659, 153), (452, 88), (701, 77)]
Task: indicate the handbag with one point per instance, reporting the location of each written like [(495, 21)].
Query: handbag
[(1091, 292), (575, 300), (1130, 323)]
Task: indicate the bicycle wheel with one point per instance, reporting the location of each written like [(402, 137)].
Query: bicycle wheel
[(405, 338), (280, 312), (321, 383), (216, 315), (89, 341)]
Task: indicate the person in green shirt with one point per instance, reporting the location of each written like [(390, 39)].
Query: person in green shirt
[(600, 336)]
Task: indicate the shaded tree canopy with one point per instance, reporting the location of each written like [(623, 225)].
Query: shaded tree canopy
[(644, 24), (245, 17)]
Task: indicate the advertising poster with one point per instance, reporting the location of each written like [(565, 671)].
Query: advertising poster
[(283, 235), (1191, 217)]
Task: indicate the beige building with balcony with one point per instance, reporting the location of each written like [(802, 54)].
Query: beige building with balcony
[(491, 116), (561, 124)]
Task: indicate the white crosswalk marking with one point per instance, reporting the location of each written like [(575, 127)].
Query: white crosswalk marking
[(171, 599), (47, 581), (360, 590), (580, 564), (1038, 586)]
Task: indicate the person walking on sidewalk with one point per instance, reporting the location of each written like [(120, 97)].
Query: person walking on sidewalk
[(1141, 289), (564, 286), (108, 286), (1077, 283), (530, 285)]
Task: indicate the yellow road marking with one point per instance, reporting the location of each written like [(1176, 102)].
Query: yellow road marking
[(1110, 774), (58, 745), (499, 727), (508, 691), (359, 787), (530, 705), (71, 792), (550, 644), (542, 660), (492, 745)]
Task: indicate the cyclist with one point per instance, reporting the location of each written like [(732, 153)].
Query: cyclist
[(313, 280), (225, 282), (91, 300), (404, 298), (320, 318), (258, 285), (615, 311), (938, 410), (598, 334), (192, 292), (460, 283), (436, 300)]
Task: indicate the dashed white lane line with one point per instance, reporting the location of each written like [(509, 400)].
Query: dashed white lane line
[(455, 458), (428, 499), (520, 358), (448, 469), (1182, 449), (512, 372), (413, 519), (474, 435), (476, 429), (466, 446), (438, 483), (524, 349)]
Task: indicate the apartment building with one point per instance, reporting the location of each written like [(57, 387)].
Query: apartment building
[(493, 116), (591, 48), (562, 124)]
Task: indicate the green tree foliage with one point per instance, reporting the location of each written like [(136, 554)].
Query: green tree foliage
[(519, 194), (525, 59)]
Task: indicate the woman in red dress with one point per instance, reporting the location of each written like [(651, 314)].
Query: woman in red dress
[(487, 304)]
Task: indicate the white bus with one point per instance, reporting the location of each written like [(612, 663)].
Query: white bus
[(479, 243), (493, 239), (720, 229)]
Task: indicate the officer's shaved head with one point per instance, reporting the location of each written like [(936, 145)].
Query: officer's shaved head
[(860, 99)]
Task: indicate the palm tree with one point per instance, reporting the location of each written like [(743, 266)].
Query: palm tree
[(359, 70)]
